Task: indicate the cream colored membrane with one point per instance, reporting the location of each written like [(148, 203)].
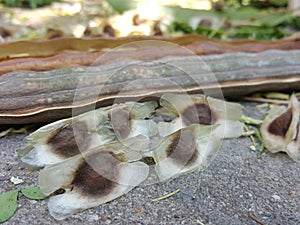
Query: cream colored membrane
[(206, 144), (41, 153), (56, 176), (142, 110), (64, 205), (137, 114), (143, 127), (290, 143), (225, 113)]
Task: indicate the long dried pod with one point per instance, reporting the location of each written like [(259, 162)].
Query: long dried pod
[(200, 109), (31, 97), (280, 129), (189, 149), (67, 52), (91, 179), (65, 138)]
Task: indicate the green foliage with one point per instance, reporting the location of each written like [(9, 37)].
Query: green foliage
[(258, 33), (268, 3), (205, 31), (27, 3), (293, 23), (121, 6), (33, 193), (9, 204)]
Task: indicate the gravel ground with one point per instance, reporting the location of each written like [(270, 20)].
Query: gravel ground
[(236, 188)]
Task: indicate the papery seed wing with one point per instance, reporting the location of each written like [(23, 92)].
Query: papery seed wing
[(224, 110), (186, 150), (101, 175), (142, 110), (229, 129), (280, 129), (126, 119), (166, 128), (197, 109), (63, 139)]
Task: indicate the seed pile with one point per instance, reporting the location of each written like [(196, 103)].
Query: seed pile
[(100, 155)]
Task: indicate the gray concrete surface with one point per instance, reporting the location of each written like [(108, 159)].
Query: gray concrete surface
[(235, 189)]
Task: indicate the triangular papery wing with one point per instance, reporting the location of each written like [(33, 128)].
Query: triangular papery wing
[(130, 174), (128, 119), (98, 176), (141, 110), (186, 150), (63, 139), (280, 129), (197, 109)]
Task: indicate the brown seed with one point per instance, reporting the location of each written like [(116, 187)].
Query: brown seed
[(109, 30), (5, 33), (281, 124), (70, 140), (121, 122), (98, 183), (156, 29), (198, 114), (87, 32), (136, 20), (183, 149), (54, 33), (297, 131), (205, 23)]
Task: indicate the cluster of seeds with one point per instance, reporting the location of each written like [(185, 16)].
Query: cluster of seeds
[(100, 155)]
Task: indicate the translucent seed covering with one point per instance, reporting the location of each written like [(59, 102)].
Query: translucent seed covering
[(95, 177), (186, 150), (280, 129), (63, 139), (100, 155), (199, 109)]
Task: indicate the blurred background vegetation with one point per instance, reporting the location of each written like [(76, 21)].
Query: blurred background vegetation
[(215, 19)]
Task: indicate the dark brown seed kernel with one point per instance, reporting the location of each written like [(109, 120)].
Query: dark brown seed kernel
[(109, 30), (297, 131), (148, 160), (136, 20), (59, 192), (121, 122), (281, 124), (98, 183), (198, 114), (156, 29), (183, 149), (70, 140)]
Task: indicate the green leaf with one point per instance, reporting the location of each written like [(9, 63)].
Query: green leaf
[(258, 32), (33, 193), (273, 19), (242, 13), (278, 3), (121, 6), (8, 205), (184, 27), (206, 31)]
